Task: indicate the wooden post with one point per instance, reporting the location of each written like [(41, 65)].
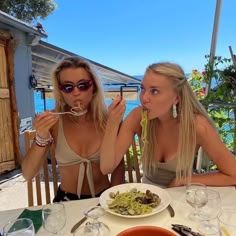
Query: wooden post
[(10, 74)]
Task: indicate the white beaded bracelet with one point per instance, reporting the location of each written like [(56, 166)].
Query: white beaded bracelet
[(42, 142)]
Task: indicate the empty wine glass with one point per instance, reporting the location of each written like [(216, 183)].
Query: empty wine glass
[(209, 211), (86, 230), (54, 217), (20, 227), (191, 188), (95, 214)]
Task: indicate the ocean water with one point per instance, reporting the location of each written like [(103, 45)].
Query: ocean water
[(49, 104)]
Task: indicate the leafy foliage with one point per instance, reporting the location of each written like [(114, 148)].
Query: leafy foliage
[(217, 99), (28, 10)]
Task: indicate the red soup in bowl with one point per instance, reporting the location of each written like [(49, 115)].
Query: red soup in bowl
[(146, 230)]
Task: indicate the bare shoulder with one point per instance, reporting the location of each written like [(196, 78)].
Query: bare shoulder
[(202, 124), (204, 130)]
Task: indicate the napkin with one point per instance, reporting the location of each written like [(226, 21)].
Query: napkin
[(35, 216)]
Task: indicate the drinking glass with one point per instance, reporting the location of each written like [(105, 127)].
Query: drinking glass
[(95, 214), (86, 230), (191, 188), (227, 222), (209, 212), (19, 227), (54, 217)]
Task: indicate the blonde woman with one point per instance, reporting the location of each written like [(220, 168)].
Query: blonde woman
[(77, 137), (173, 125)]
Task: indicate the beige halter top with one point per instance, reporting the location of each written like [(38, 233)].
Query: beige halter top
[(65, 156)]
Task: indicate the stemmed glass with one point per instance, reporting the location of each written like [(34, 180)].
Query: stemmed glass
[(20, 227), (91, 228), (191, 188), (54, 217), (86, 230), (209, 211)]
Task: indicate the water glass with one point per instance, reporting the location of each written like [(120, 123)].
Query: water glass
[(227, 222), (19, 227), (54, 217), (95, 213), (191, 188), (208, 224)]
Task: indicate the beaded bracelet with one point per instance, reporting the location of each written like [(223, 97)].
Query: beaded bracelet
[(42, 142)]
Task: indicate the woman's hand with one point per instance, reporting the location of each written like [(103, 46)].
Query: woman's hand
[(117, 109), (44, 122)]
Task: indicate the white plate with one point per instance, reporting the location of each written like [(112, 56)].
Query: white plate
[(163, 194)]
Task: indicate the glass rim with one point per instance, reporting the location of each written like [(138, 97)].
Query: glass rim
[(13, 221), (50, 205), (223, 211)]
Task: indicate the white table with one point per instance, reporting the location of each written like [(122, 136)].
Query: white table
[(74, 212)]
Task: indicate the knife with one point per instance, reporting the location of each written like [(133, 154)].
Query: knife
[(77, 225), (171, 210), (80, 222)]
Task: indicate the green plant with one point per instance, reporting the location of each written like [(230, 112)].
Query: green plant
[(215, 88)]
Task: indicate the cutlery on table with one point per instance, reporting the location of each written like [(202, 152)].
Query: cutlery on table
[(183, 230), (171, 210), (80, 222)]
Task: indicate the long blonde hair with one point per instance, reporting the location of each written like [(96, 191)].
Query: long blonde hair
[(187, 109), (97, 106)]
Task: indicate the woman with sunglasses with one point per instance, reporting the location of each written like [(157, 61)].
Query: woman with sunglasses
[(77, 136)]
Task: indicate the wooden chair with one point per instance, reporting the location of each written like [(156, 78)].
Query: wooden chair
[(132, 161), (34, 185)]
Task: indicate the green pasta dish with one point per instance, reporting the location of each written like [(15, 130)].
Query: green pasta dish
[(134, 202)]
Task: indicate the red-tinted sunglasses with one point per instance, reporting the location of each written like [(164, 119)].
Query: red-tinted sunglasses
[(82, 86)]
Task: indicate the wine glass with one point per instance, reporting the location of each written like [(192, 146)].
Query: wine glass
[(191, 188), (86, 230), (54, 217), (20, 227), (95, 213), (209, 211), (227, 222)]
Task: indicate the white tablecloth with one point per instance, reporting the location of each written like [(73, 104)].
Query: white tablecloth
[(74, 212)]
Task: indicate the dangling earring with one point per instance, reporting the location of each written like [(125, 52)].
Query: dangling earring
[(174, 111)]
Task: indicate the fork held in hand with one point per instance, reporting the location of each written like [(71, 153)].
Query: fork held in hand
[(72, 112)]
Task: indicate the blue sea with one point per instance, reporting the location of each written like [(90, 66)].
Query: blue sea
[(50, 103)]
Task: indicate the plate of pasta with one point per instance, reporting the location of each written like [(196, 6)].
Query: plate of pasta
[(134, 200)]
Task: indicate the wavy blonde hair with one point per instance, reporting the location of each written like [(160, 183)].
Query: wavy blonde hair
[(187, 109), (97, 105)]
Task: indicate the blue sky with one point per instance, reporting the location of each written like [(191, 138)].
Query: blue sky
[(128, 35)]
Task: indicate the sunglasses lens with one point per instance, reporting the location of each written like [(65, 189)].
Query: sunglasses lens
[(84, 86), (67, 88)]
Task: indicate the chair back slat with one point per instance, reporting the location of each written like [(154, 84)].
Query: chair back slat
[(132, 160), (46, 181), (54, 169), (34, 185)]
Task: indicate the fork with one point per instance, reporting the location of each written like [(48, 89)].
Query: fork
[(72, 112)]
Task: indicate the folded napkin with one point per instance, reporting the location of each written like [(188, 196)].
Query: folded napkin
[(35, 216)]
